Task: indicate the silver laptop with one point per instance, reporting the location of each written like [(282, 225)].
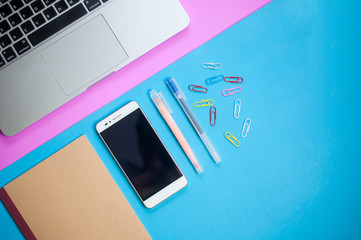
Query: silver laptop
[(53, 50)]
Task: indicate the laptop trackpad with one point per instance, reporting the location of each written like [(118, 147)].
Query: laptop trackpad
[(84, 55)]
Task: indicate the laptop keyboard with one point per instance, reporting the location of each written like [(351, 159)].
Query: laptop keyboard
[(25, 24)]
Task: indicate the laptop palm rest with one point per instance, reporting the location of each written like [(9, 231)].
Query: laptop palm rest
[(84, 55)]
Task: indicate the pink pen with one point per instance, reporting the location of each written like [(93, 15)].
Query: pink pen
[(166, 111)]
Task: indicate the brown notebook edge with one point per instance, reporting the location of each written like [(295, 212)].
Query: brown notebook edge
[(15, 214)]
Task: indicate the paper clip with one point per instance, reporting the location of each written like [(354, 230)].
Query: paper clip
[(211, 65), (233, 79), (204, 103), (231, 91), (237, 108), (213, 80), (213, 115), (197, 88), (247, 123), (232, 139)]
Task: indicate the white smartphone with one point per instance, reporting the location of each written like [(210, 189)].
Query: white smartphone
[(141, 155)]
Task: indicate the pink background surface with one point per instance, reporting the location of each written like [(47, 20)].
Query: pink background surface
[(208, 18)]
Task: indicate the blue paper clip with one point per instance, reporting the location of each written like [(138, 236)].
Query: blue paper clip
[(213, 80), (245, 129), (204, 103), (231, 91), (211, 65), (213, 115)]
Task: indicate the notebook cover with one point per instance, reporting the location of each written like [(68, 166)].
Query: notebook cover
[(71, 195)]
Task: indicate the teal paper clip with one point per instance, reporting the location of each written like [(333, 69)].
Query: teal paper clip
[(213, 80)]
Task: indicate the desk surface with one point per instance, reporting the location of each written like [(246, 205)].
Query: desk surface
[(296, 175)]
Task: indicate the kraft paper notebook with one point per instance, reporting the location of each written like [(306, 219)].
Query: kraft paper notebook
[(71, 195)]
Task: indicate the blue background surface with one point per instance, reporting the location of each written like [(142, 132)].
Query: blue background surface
[(297, 174)]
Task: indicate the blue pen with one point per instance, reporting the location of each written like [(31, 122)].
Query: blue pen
[(179, 95)]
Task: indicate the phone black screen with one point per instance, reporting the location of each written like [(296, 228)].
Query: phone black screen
[(141, 154)]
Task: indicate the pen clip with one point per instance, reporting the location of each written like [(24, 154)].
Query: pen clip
[(158, 97), (176, 90)]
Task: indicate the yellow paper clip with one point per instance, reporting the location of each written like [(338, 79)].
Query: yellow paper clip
[(204, 103), (232, 139), (245, 129)]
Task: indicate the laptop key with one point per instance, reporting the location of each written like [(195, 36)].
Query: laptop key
[(72, 2), (16, 34), (61, 6), (9, 54), (14, 19), (5, 10), (5, 41), (38, 20), (4, 26), (57, 24), (26, 12), (92, 4), (27, 27), (37, 6), (49, 13), (16, 4), (48, 2), (21, 46), (2, 61)]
